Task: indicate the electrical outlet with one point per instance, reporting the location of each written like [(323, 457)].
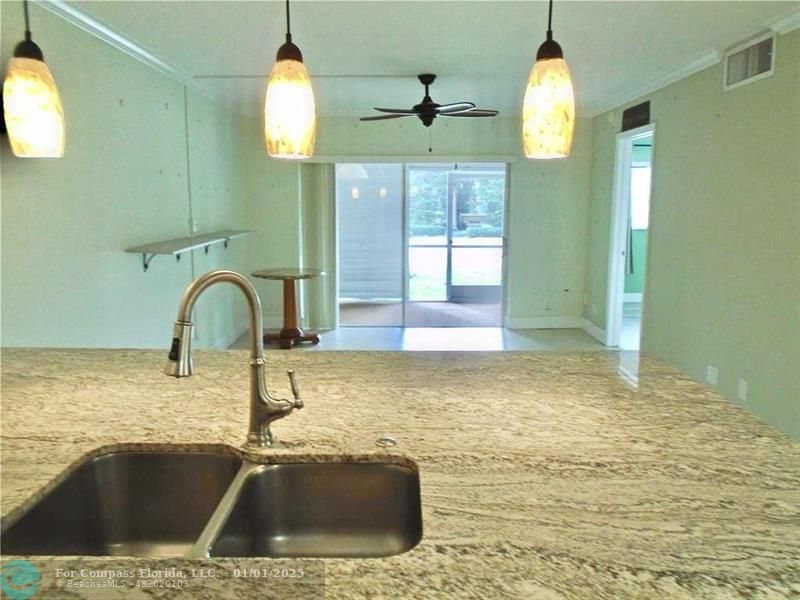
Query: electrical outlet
[(712, 375), (741, 390)]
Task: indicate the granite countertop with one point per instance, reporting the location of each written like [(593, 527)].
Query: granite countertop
[(543, 475)]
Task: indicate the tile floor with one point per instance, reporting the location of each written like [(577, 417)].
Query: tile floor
[(631, 326)]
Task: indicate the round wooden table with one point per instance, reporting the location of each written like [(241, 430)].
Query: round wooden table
[(291, 334)]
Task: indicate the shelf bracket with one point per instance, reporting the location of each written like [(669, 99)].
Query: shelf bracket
[(146, 260)]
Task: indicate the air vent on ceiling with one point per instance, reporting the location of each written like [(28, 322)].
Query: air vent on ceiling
[(749, 62)]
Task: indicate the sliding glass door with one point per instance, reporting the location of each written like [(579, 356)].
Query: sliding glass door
[(421, 245), (456, 216)]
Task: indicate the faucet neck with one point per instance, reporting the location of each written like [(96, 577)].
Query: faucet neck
[(202, 283)]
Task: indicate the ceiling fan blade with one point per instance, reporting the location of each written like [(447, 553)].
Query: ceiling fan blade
[(456, 107), (383, 117), (478, 112), (398, 111)]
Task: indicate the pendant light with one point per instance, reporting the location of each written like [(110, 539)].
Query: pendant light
[(32, 108), (548, 111), (290, 120)]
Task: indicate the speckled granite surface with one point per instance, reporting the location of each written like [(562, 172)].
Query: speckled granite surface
[(543, 475)]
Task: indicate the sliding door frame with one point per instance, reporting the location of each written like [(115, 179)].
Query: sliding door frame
[(450, 211), (405, 225)]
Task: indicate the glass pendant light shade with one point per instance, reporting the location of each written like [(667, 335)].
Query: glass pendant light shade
[(290, 113), (32, 108), (33, 112), (548, 110), (290, 120)]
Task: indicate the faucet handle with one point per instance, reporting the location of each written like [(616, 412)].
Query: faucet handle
[(298, 403)]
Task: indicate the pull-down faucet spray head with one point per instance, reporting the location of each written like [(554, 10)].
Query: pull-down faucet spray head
[(180, 353)]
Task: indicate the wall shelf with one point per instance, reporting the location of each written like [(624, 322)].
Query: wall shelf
[(178, 246)]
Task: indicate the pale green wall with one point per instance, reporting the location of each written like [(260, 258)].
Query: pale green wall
[(548, 219), (274, 212), (65, 223), (723, 282)]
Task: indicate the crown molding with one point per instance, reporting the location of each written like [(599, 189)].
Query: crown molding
[(787, 23), (703, 62), (782, 26), (75, 16)]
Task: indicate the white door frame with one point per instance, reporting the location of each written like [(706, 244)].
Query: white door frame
[(620, 209)]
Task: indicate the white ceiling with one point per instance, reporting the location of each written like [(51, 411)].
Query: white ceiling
[(365, 54)]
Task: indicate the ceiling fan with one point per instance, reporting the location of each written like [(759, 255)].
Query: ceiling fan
[(428, 110)]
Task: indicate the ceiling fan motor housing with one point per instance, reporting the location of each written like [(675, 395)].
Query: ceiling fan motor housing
[(428, 110), (426, 78)]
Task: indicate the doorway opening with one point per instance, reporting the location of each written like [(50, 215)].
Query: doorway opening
[(629, 237), (421, 245)]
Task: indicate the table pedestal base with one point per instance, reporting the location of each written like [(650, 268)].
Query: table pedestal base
[(287, 338), (291, 334)]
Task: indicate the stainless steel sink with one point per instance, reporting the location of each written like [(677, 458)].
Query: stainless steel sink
[(125, 503), (200, 504), (323, 510)]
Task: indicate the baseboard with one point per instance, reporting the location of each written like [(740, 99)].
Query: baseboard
[(632, 297), (544, 322), (225, 342), (594, 331)]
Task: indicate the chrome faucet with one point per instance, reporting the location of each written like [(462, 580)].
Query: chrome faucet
[(264, 409)]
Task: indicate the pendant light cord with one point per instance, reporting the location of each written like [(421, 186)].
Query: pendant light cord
[(549, 21), (27, 21), (288, 23)]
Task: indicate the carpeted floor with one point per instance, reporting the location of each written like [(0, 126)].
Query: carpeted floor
[(420, 314)]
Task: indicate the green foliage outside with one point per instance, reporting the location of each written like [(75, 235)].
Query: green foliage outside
[(479, 196)]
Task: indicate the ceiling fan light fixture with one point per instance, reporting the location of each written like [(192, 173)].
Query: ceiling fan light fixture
[(34, 116), (548, 109), (290, 114)]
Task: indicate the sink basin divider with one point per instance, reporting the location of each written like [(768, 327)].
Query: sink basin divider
[(202, 546)]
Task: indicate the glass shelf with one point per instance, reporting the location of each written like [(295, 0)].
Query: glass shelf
[(178, 246)]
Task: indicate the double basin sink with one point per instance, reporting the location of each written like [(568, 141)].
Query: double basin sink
[(216, 504)]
